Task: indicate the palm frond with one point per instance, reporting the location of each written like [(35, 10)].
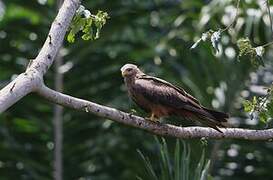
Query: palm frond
[(176, 167)]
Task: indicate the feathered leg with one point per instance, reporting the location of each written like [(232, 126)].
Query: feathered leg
[(153, 118)]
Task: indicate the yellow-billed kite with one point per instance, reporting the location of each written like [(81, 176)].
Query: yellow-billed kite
[(162, 99)]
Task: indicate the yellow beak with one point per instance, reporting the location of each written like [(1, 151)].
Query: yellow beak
[(123, 73)]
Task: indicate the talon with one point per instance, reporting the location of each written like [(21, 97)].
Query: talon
[(152, 118)]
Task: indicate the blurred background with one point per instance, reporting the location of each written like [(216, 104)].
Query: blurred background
[(157, 36)]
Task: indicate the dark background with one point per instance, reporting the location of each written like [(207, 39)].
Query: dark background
[(156, 35)]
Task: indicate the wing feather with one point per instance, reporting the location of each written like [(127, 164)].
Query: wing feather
[(161, 92), (173, 93)]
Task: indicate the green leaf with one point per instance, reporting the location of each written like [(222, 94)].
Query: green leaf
[(198, 170), (88, 24), (263, 116), (176, 167), (254, 101), (245, 47), (87, 30), (14, 11), (165, 161), (25, 125), (248, 106), (185, 161), (254, 53), (269, 107), (177, 175), (148, 166), (71, 37), (76, 25), (205, 171)]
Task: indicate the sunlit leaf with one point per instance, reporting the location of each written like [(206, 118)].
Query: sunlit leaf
[(90, 25), (248, 106), (254, 53), (263, 116)]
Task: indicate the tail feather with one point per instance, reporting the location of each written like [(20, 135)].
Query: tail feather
[(211, 118), (210, 123), (220, 116)]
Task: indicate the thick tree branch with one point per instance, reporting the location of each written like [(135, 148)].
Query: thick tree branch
[(32, 80), (55, 36), (33, 77), (18, 88), (155, 128)]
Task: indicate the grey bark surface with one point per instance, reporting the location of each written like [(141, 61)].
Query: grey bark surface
[(58, 123), (58, 116), (155, 128), (32, 81)]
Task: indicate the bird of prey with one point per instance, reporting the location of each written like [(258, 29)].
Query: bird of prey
[(162, 99)]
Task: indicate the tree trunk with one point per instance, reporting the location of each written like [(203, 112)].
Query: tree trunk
[(58, 117)]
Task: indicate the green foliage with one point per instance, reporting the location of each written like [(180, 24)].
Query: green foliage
[(254, 53), (244, 44), (262, 105), (20, 12), (155, 35), (89, 24), (26, 126), (178, 166), (249, 106)]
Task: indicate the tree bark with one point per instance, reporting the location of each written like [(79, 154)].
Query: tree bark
[(58, 123), (32, 81), (155, 128), (58, 116)]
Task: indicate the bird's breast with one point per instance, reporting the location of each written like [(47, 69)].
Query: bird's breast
[(139, 99), (158, 110)]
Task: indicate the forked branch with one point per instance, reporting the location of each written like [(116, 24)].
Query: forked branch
[(32, 81)]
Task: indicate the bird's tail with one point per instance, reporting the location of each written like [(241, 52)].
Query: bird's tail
[(220, 116), (214, 120), (211, 118)]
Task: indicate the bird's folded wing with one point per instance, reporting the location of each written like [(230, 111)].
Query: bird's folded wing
[(163, 92), (177, 88)]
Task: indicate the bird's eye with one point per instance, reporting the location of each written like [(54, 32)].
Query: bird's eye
[(129, 69)]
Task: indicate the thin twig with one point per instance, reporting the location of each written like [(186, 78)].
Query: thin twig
[(269, 16), (267, 44), (235, 18)]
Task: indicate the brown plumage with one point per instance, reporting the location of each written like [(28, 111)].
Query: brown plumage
[(161, 98)]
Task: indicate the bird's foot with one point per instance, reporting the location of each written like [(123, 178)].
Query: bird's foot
[(153, 118)]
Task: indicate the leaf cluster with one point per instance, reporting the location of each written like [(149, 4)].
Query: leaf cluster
[(254, 53), (90, 25), (262, 106)]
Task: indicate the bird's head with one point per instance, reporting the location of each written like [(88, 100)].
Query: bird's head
[(129, 70)]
